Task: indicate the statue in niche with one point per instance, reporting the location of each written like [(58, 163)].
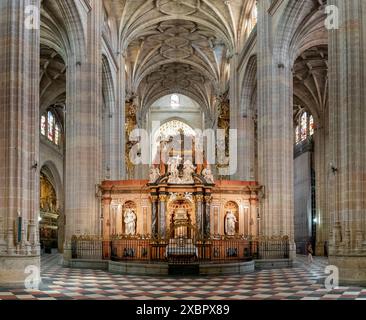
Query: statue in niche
[(230, 224), (154, 174), (188, 171), (130, 222), (207, 174), (173, 169)]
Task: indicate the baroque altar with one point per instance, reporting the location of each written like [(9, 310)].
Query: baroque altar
[(180, 202), (139, 207)]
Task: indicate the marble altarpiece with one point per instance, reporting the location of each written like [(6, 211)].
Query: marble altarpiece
[(179, 191)]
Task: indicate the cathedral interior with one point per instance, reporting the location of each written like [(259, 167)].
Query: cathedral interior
[(171, 138)]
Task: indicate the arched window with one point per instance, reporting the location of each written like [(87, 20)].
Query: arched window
[(297, 134), (51, 127), (175, 101), (311, 125), (304, 127), (174, 127)]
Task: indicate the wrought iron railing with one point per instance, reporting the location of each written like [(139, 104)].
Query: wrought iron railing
[(179, 250), (87, 247), (275, 248)]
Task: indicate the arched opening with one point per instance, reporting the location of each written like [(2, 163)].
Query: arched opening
[(52, 146), (49, 213), (181, 219), (173, 120), (304, 180), (310, 148), (174, 140)]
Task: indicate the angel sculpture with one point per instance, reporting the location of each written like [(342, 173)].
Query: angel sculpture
[(188, 171)]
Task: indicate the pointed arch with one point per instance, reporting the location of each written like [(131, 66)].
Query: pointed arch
[(249, 86)]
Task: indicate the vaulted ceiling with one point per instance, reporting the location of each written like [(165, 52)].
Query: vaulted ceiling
[(52, 79), (181, 46), (311, 82)]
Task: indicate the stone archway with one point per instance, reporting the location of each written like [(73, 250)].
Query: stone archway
[(51, 226), (181, 218)]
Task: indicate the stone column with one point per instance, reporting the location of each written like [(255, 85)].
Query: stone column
[(246, 148), (246, 123), (106, 209), (322, 171), (275, 133), (19, 141), (207, 223), (162, 215), (121, 101), (83, 171), (113, 121), (154, 215), (254, 213), (347, 78), (199, 214)]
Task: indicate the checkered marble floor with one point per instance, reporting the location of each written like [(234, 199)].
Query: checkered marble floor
[(303, 282)]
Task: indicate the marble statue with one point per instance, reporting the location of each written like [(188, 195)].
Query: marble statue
[(130, 222), (173, 169), (207, 174), (188, 171), (230, 224), (154, 174)]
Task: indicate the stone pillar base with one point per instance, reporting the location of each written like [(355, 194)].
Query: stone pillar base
[(292, 250), (67, 254), (352, 269), (13, 271)]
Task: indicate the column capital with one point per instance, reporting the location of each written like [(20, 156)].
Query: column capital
[(208, 199), (106, 200), (154, 198)]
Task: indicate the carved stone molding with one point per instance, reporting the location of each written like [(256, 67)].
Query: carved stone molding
[(178, 7)]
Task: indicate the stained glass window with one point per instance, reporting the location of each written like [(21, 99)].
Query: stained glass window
[(175, 101), (51, 126), (297, 134), (57, 134), (304, 126), (311, 126), (43, 125)]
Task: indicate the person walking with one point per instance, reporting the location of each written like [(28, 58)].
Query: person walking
[(309, 251)]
